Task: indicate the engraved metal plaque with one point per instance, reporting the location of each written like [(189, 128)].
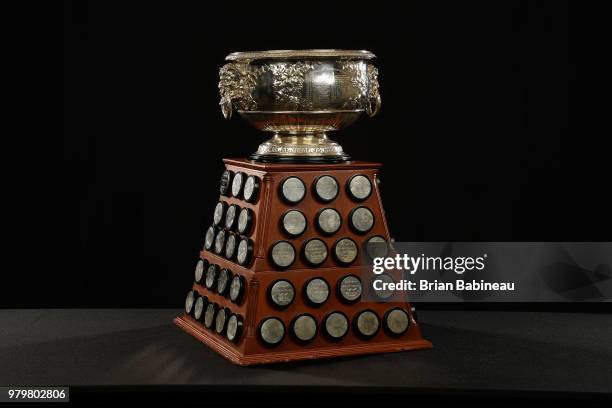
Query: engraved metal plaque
[(226, 181), (210, 314), (336, 325), (251, 188), (245, 221), (237, 184), (293, 223), (220, 241), (236, 289), (397, 321), (189, 301), (219, 212), (345, 251), (293, 190), (223, 281), (315, 252), (231, 216), (221, 321), (304, 328), (384, 293), (361, 219), (349, 288), (245, 251), (234, 328), (367, 323), (329, 221), (282, 293), (359, 187), (317, 291), (377, 247), (282, 254), (211, 276), (326, 188), (209, 240), (230, 246), (272, 331), (198, 311), (200, 269)]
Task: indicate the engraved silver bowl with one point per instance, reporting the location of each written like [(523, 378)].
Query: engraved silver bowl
[(299, 96)]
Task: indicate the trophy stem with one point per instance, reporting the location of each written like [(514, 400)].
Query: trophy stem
[(302, 147)]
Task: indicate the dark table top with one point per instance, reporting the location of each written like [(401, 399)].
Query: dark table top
[(474, 351)]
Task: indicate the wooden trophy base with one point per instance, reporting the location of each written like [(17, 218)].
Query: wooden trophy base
[(291, 289)]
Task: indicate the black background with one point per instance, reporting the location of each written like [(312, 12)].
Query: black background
[(483, 131)]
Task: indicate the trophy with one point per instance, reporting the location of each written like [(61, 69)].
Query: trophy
[(279, 277)]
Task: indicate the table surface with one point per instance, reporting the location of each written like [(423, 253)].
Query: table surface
[(475, 351)]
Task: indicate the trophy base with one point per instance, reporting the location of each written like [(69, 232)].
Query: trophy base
[(271, 158), (300, 148)]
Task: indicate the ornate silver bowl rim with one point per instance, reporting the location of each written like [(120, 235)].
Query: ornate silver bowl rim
[(298, 54)]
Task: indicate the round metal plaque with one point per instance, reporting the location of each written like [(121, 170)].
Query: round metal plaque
[(198, 310), (210, 314), (209, 240), (219, 212), (200, 269), (293, 190), (282, 254), (329, 221), (220, 242), (245, 251), (293, 223), (361, 220), (189, 301), (384, 292), (272, 331), (349, 288), (359, 187), (345, 251), (238, 183), (226, 182), (397, 321), (245, 221), (231, 216), (377, 247), (317, 291), (251, 188), (336, 325), (326, 188), (223, 281), (211, 276), (221, 321), (234, 328), (282, 293), (315, 252), (236, 289), (367, 323), (304, 328), (230, 246)]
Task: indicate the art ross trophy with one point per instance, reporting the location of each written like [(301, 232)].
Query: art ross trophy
[(279, 277)]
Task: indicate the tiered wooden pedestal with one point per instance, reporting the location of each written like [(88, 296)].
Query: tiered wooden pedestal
[(260, 273)]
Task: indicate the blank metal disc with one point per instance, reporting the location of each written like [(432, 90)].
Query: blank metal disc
[(345, 251), (231, 216), (226, 182), (272, 331), (189, 301), (251, 188), (329, 221), (377, 247), (384, 292), (245, 221), (210, 314), (336, 325), (234, 328), (230, 246), (314, 252), (282, 254), (211, 276), (292, 190), (281, 293), (316, 291), (223, 281), (326, 188), (304, 328), (220, 241), (367, 323), (219, 212), (209, 240), (236, 291), (245, 251), (361, 220), (349, 288), (359, 187), (200, 270), (238, 183), (200, 306), (221, 320), (396, 321), (293, 223)]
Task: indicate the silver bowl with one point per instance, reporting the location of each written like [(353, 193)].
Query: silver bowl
[(299, 96)]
